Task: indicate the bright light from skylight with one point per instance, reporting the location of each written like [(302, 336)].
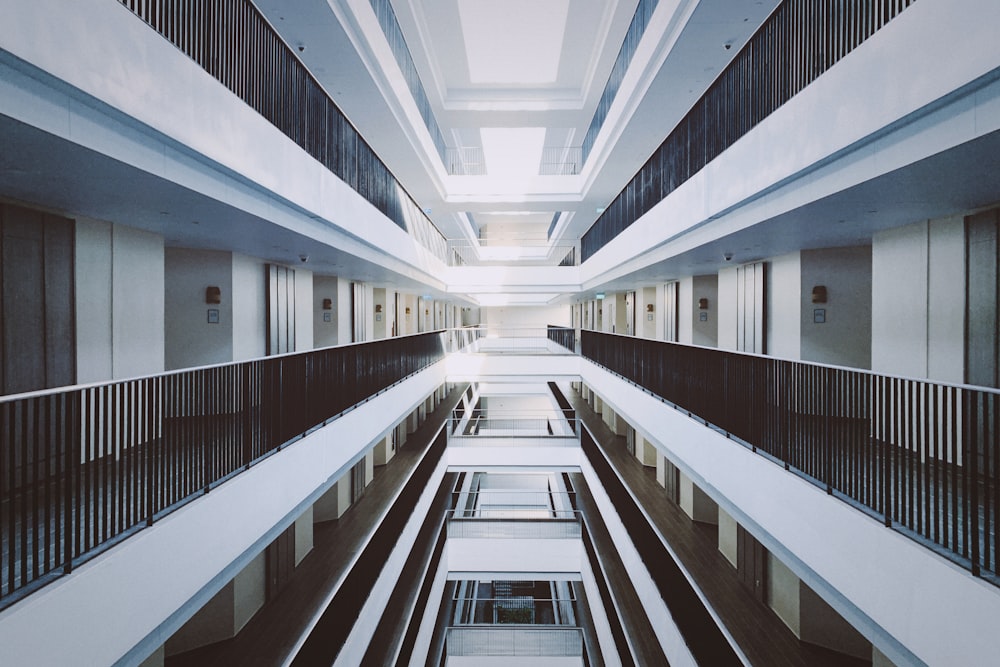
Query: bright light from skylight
[(513, 41), (512, 151)]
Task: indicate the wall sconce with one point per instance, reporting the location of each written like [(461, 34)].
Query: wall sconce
[(407, 310), (649, 307), (702, 304), (213, 295), (327, 304), (819, 294), (378, 307)]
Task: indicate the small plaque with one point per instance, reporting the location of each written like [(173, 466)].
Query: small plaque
[(703, 317), (213, 315), (326, 317), (819, 315)]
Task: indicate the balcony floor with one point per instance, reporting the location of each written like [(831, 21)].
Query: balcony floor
[(758, 631), (270, 636)]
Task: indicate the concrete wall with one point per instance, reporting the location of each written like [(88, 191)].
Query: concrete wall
[(119, 301), (727, 309), (918, 323), (304, 310), (783, 593), (326, 330), (844, 336), (728, 536), (784, 306), (527, 317), (190, 338), (249, 308)]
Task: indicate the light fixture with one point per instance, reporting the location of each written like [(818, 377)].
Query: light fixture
[(702, 304), (327, 304), (819, 294), (649, 307), (213, 294)]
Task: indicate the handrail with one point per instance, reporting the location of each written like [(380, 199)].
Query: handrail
[(83, 467), (233, 42), (921, 455), (797, 43)]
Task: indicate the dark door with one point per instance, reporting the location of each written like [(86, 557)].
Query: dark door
[(280, 561), (37, 327), (751, 563)]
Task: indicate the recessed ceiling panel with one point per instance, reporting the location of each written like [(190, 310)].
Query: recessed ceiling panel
[(514, 41)]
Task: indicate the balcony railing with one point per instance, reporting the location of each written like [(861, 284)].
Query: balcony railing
[(527, 340), (515, 524), (795, 45), (923, 456), (504, 252), (493, 430), (233, 42), (514, 641), (563, 336), (85, 466), (468, 504), (517, 610)]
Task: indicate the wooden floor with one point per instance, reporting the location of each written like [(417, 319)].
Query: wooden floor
[(760, 634), (270, 636)]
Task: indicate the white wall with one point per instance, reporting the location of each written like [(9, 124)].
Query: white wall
[(303, 310), (784, 306), (119, 301), (190, 340), (94, 312), (249, 307), (527, 317), (327, 333), (844, 339), (727, 308), (918, 300)]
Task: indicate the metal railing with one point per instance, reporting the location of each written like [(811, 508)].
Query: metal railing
[(480, 430), (84, 466), (636, 29), (514, 524), (923, 456), (794, 46), (468, 504), (504, 252), (518, 609), (233, 42), (514, 641), (524, 340), (563, 336)]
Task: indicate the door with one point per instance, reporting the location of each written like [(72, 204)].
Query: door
[(751, 563)]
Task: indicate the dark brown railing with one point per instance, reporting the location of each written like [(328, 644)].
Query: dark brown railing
[(564, 336), (923, 456), (82, 467), (798, 42), (233, 42)]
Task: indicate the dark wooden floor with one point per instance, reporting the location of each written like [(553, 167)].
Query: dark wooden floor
[(760, 634), (270, 636)]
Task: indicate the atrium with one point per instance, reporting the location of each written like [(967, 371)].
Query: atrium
[(491, 332)]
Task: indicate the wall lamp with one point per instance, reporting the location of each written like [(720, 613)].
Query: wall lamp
[(213, 294), (327, 304), (819, 294), (702, 304)]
